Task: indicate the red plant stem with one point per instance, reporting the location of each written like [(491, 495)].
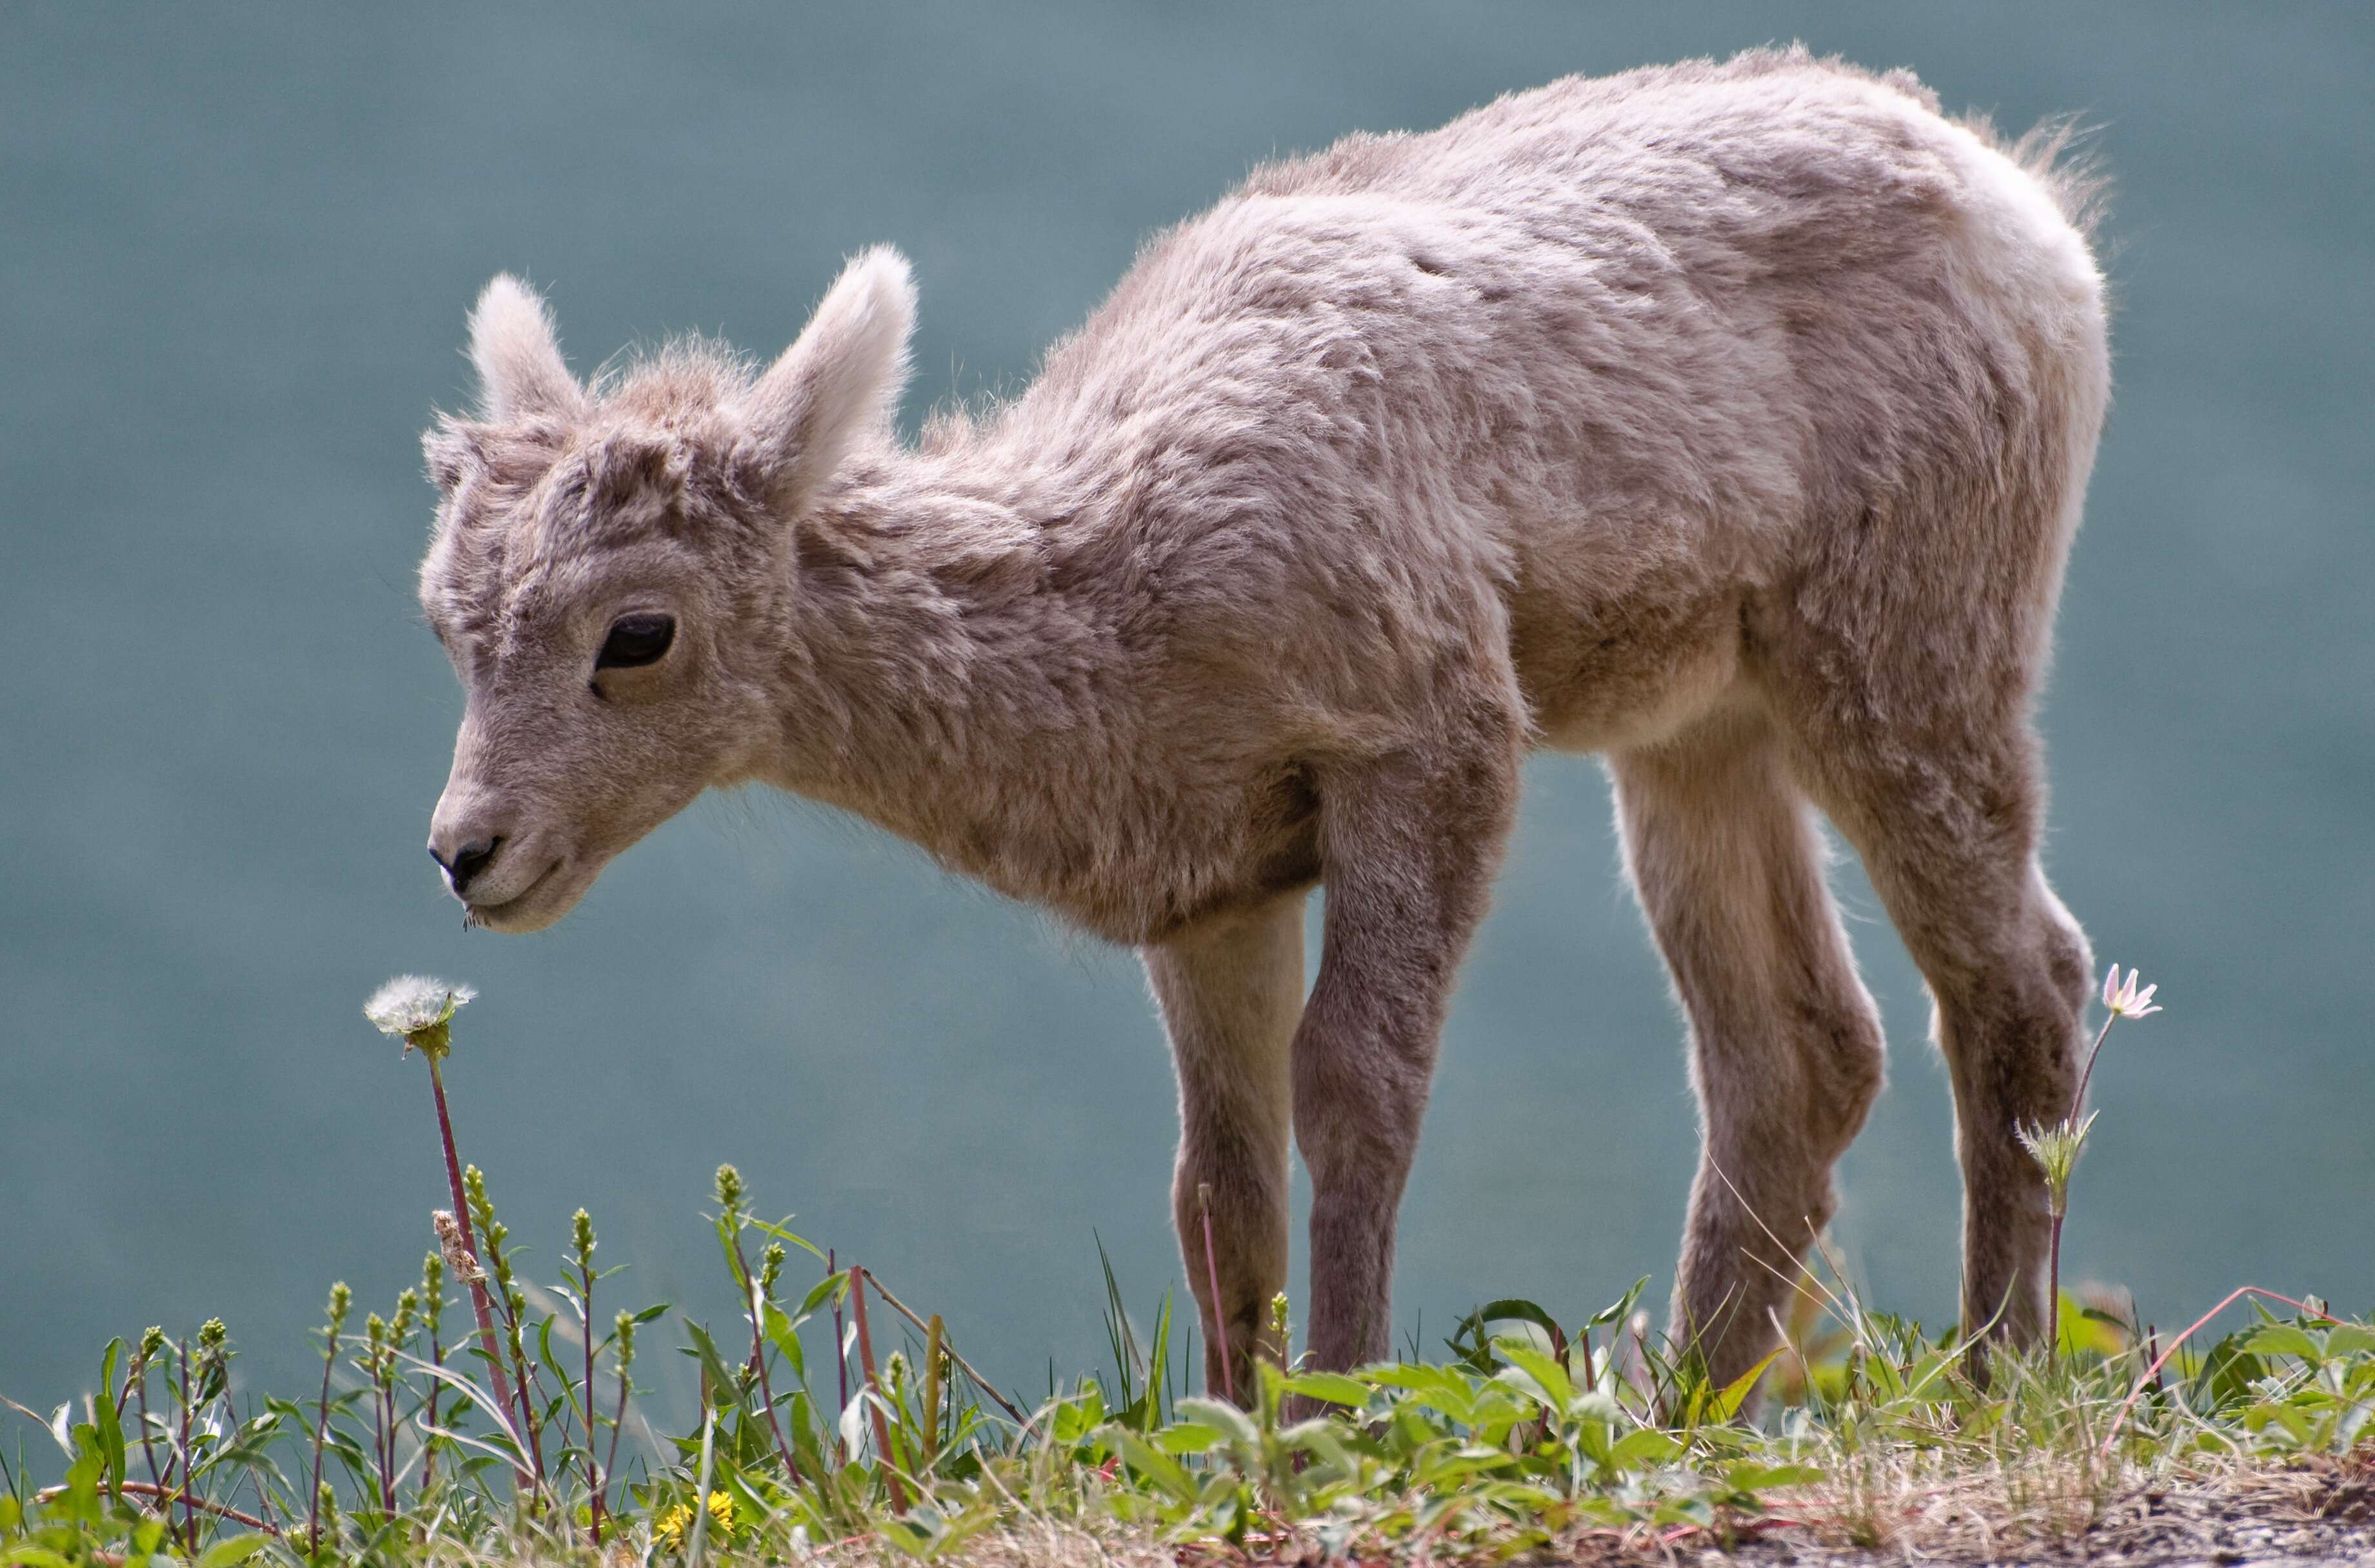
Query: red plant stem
[(147, 1438), (2177, 1344), (2078, 1099), (2053, 1297), (189, 1470), (618, 1424), (593, 1476), (527, 1376), (263, 1502), (321, 1427), (1220, 1315), (840, 1350), (881, 1426), (428, 1441), (168, 1495), (469, 1242), (383, 1424), (752, 1301)]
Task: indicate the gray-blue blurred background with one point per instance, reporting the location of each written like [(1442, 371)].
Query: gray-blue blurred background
[(236, 245)]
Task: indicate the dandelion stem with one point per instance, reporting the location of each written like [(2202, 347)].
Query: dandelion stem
[(469, 1240)]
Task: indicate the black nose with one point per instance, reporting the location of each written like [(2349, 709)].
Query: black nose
[(467, 862)]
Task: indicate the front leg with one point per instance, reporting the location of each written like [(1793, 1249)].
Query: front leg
[(1410, 847), (1231, 990)]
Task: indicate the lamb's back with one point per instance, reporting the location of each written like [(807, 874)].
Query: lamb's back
[(1584, 334)]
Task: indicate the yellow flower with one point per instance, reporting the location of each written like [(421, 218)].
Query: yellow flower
[(677, 1524)]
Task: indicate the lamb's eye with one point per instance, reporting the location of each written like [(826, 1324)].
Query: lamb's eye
[(635, 640)]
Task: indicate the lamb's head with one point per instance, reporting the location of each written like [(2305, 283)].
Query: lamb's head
[(611, 575)]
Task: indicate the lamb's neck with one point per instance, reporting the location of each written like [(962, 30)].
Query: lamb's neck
[(933, 666)]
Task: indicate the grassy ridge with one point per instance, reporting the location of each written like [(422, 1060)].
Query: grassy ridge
[(484, 1418)]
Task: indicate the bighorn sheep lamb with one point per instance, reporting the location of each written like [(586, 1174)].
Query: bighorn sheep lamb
[(1728, 419)]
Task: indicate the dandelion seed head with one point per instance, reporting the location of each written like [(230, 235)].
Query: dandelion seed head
[(417, 1010)]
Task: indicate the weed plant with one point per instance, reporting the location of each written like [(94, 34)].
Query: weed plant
[(837, 1422)]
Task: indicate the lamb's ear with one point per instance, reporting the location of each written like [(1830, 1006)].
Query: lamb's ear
[(519, 368), (842, 376)]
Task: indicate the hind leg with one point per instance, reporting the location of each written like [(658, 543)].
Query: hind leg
[(1786, 1050), (1946, 819)]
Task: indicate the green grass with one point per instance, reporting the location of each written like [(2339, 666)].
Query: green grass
[(468, 1425)]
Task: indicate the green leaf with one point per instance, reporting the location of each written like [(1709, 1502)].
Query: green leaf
[(231, 1549), (1735, 1393), (33, 1556), (833, 1287), (724, 1382), (2283, 1340), (1557, 1390), (1621, 1308), (2350, 1339), (1225, 1418), (1186, 1437), (1750, 1476), (1149, 1462), (110, 1437), (778, 1232), (784, 1334), (1643, 1450), (1333, 1387)]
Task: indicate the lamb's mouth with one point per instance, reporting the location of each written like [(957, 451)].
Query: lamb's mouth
[(519, 911)]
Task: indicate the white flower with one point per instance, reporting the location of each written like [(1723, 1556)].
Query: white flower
[(2123, 997), (417, 1010)]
